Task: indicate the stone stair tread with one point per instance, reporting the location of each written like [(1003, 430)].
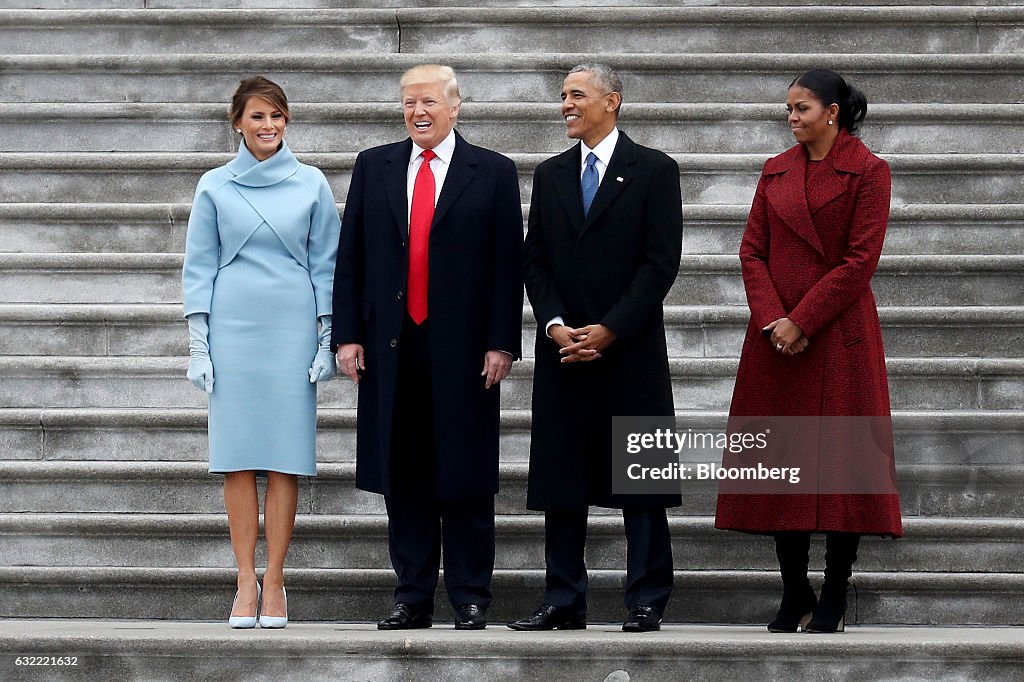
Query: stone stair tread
[(110, 470), (525, 160), (174, 650), (191, 524), (362, 594), (713, 366), (674, 314), (541, 112), (180, 211), (688, 262), (371, 577)]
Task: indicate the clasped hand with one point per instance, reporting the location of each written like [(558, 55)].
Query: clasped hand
[(786, 336), (583, 344)]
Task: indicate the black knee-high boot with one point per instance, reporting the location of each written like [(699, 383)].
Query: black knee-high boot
[(840, 553), (798, 599)]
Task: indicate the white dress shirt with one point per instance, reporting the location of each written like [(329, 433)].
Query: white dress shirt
[(603, 151), (439, 166)]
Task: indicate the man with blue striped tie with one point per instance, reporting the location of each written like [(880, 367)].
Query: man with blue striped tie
[(602, 251)]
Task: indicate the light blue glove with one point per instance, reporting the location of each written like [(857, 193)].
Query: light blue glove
[(200, 369), (324, 366)]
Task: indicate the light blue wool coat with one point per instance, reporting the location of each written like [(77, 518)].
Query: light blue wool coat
[(259, 260)]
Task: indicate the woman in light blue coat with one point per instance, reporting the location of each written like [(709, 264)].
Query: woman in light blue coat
[(257, 282)]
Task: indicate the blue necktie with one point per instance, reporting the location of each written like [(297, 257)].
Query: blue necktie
[(589, 183)]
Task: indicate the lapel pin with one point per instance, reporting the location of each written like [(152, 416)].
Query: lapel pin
[(618, 179)]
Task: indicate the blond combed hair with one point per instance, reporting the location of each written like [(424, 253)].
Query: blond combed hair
[(433, 73)]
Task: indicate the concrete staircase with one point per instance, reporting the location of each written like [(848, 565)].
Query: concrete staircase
[(110, 115)]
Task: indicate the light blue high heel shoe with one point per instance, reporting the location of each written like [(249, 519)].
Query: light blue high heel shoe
[(276, 622), (246, 622)]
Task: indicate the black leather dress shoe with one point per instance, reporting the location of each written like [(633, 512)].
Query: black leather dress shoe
[(549, 617), (402, 617), (642, 619), (470, 617)]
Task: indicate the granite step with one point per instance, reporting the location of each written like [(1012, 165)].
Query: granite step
[(704, 280), (368, 4), (707, 228), (846, 29), (363, 595), (698, 383), (176, 651), (954, 545), (515, 77), (91, 177), (693, 128), (965, 437), (691, 331), (133, 31), (939, 490)]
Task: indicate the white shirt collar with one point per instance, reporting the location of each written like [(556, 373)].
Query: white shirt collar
[(444, 149), (603, 151)]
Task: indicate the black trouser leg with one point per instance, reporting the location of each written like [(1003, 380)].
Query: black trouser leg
[(414, 542), (649, 575), (565, 540), (467, 533), (414, 514)]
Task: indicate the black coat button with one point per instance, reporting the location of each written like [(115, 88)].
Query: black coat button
[(394, 342)]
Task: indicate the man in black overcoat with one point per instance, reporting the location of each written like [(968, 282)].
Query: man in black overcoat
[(602, 251), (427, 321)]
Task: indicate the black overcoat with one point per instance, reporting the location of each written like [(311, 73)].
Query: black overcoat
[(475, 300), (615, 267)]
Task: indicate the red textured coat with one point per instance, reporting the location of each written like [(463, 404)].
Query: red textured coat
[(808, 253)]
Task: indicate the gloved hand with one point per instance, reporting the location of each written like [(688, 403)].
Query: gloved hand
[(324, 366), (200, 369)]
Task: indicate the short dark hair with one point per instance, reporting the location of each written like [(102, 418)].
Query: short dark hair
[(257, 86), (831, 88), (605, 77)]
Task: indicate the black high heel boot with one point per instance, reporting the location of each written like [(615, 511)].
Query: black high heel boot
[(798, 599), (840, 554)]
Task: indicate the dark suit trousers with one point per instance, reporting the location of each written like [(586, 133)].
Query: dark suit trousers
[(420, 523), (648, 558)]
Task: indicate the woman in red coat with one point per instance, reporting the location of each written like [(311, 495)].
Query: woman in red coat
[(813, 347)]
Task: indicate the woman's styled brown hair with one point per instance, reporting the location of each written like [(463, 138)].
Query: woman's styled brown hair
[(257, 86)]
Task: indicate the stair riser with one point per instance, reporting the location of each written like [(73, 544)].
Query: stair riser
[(954, 444), (684, 136), (699, 186), (714, 550), (959, 494), (116, 235), (379, 33), (700, 236), (68, 285), (481, 81), (902, 237), (143, 39), (931, 339), (735, 600), (696, 391), (333, 4), (890, 288)]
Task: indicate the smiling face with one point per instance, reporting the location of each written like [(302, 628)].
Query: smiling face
[(262, 125), (808, 116), (429, 115), (590, 112)]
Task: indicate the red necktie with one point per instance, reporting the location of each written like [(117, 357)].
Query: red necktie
[(419, 238)]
